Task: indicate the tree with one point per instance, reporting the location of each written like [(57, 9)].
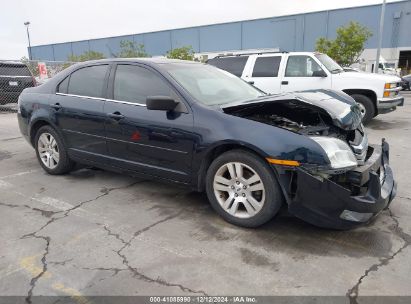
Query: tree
[(89, 55), (347, 47), (130, 49), (183, 53), (32, 66)]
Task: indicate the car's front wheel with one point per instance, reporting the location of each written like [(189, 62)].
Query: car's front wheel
[(242, 188), (51, 152)]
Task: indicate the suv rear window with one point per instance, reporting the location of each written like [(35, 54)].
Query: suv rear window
[(14, 70), (233, 65), (266, 66)]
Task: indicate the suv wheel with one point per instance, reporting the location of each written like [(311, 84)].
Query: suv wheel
[(51, 151), (366, 106), (242, 189)]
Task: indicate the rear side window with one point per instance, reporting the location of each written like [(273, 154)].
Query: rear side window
[(88, 81), (14, 70), (233, 65), (63, 86), (134, 84), (266, 66)]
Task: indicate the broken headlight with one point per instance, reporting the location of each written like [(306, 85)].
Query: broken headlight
[(338, 152)]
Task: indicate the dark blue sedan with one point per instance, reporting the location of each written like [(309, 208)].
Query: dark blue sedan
[(201, 127)]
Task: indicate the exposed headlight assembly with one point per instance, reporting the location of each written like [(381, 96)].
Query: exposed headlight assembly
[(338, 152)]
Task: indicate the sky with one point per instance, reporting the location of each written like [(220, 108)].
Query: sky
[(54, 21)]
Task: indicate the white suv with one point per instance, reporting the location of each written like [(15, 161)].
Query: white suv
[(277, 72)]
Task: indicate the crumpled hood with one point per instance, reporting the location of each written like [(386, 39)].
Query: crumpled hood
[(341, 108)]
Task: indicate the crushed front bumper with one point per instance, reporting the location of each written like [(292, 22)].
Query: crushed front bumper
[(326, 203)]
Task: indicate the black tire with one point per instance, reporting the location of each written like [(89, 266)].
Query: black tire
[(273, 195), (65, 164), (368, 106)]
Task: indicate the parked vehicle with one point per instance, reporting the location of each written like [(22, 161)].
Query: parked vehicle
[(198, 126), (384, 67), (14, 78), (406, 82), (288, 72)]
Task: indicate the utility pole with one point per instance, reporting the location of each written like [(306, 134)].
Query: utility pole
[(27, 23), (377, 60)]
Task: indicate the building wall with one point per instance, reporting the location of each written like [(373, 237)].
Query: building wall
[(289, 33)]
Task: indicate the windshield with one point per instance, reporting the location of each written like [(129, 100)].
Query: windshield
[(210, 85), (329, 63)]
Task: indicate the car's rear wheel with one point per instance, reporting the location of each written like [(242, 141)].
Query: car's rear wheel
[(242, 188), (366, 107), (51, 151)]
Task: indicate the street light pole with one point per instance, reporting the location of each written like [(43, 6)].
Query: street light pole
[(27, 23), (377, 60)]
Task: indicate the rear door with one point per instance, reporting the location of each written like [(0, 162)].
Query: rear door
[(78, 110), (153, 142), (14, 78), (264, 72), (301, 73)]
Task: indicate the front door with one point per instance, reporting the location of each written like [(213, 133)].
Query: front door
[(158, 143), (304, 73)]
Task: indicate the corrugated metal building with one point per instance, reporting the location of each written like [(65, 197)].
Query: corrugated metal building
[(290, 33)]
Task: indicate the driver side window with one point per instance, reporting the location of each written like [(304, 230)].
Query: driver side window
[(301, 66), (134, 84)]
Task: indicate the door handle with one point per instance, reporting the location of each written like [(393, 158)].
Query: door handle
[(251, 82), (116, 115), (284, 82), (56, 106)]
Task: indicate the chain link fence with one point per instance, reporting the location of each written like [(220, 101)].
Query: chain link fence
[(15, 76)]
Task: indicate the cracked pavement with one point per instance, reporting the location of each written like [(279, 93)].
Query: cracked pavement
[(94, 232)]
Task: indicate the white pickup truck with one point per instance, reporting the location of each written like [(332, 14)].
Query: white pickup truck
[(277, 72)]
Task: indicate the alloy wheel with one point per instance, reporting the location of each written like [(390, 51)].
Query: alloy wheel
[(239, 190), (48, 150)]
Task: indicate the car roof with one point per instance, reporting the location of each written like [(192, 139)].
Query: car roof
[(5, 62), (149, 61), (262, 53)]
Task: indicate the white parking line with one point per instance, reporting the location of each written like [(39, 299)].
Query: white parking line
[(19, 174), (53, 202), (4, 184)]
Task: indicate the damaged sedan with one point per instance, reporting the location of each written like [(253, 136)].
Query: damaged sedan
[(197, 126)]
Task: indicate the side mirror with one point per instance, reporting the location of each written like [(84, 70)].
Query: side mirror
[(319, 73), (161, 103)]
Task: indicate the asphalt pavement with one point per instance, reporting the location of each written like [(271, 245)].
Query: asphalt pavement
[(94, 232)]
